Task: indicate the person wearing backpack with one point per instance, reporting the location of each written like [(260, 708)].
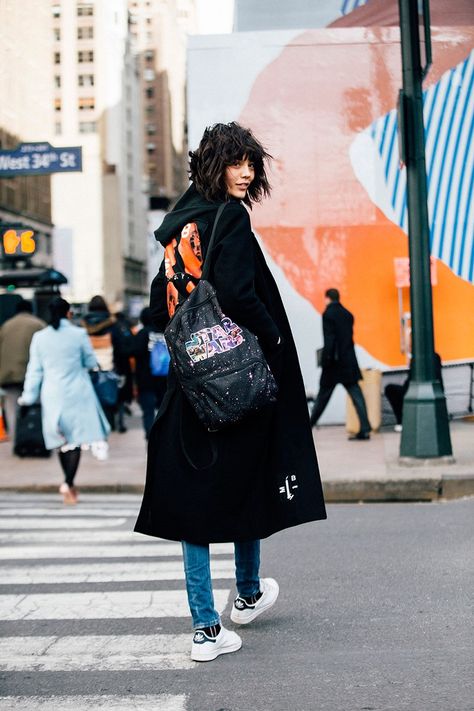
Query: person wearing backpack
[(151, 368), (253, 478)]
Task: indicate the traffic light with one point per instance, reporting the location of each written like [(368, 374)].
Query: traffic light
[(18, 242)]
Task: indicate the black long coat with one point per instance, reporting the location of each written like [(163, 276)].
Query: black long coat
[(339, 360), (254, 478)]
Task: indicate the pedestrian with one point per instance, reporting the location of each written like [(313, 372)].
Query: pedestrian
[(15, 339), (123, 367), (253, 478), (106, 340), (395, 393), (150, 388), (339, 363), (60, 357)]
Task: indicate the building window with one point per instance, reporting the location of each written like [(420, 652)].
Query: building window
[(85, 80), (56, 34), (57, 57), (149, 55), (150, 148), (86, 104), (150, 109), (150, 128), (85, 9), (149, 75), (85, 56), (56, 10), (150, 92), (85, 33), (87, 127), (57, 104), (57, 81)]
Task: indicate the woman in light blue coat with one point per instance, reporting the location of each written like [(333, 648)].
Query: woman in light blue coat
[(60, 357)]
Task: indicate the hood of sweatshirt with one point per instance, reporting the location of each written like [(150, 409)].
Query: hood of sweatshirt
[(191, 207)]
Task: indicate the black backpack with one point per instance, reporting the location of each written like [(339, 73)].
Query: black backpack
[(220, 365)]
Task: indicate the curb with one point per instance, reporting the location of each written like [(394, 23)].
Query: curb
[(393, 490), (335, 492)]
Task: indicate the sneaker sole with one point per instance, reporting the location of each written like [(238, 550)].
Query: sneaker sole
[(234, 615), (213, 655)]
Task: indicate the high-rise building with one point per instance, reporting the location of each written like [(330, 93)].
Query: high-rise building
[(159, 30), (99, 214), (26, 115)]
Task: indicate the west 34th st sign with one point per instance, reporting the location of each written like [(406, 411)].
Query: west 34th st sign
[(39, 159)]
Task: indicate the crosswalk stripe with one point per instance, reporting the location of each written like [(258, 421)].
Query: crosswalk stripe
[(123, 536), (109, 572), (97, 551), (101, 605), (31, 523), (70, 512), (95, 653), (29, 499), (143, 702)]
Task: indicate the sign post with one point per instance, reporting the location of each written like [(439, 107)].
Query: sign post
[(425, 417)]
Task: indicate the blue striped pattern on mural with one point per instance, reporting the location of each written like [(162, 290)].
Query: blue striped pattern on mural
[(349, 5), (449, 128)]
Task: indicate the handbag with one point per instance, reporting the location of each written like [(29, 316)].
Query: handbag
[(220, 365), (106, 386)]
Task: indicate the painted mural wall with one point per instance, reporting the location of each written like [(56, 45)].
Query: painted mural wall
[(323, 102)]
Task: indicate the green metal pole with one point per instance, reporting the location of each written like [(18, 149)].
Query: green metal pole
[(425, 418)]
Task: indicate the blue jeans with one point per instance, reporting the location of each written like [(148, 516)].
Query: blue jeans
[(199, 584)]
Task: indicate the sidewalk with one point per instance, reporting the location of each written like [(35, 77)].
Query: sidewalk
[(351, 471)]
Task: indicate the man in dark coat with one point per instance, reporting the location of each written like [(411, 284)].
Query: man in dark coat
[(339, 363)]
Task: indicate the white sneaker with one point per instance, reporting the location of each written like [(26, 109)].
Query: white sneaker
[(205, 648), (398, 428), (243, 612)]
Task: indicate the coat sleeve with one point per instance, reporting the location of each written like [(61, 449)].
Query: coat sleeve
[(158, 304), (233, 276), (330, 341), (33, 376), (88, 357)]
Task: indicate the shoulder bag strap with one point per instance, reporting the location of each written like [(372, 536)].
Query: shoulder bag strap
[(207, 261)]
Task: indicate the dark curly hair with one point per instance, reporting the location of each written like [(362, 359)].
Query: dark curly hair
[(220, 146)]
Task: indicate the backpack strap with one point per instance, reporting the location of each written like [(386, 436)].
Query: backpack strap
[(206, 267)]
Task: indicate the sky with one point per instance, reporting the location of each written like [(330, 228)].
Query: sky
[(215, 16)]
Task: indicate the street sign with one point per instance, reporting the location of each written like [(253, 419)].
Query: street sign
[(40, 159)]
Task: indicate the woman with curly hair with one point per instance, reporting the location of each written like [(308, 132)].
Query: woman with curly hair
[(253, 478)]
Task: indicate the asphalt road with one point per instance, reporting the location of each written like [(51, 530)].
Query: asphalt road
[(375, 613)]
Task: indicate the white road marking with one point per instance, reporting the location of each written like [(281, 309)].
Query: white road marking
[(70, 512), (109, 572), (132, 550), (76, 536), (101, 605), (159, 702), (96, 653), (30, 523)]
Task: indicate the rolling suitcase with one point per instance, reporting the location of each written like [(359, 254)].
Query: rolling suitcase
[(29, 440)]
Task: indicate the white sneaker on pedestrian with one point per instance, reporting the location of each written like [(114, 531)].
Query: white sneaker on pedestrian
[(244, 612), (206, 648), (398, 428)]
